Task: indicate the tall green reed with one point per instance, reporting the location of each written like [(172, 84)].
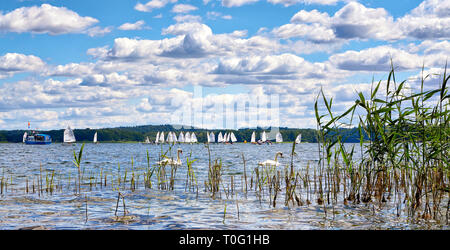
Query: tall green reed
[(404, 139)]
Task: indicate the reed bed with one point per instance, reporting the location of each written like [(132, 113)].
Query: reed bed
[(405, 147)]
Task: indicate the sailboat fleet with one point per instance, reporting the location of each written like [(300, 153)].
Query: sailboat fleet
[(188, 137), (69, 137), (172, 138), (226, 138), (278, 138), (191, 137)]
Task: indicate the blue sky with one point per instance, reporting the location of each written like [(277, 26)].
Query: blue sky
[(120, 63)]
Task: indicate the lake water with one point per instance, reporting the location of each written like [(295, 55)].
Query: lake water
[(22, 166)]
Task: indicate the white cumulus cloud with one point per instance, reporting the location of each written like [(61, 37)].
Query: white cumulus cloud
[(45, 19), (132, 26), (153, 4), (183, 8)]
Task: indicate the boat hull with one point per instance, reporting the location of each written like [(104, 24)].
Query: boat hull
[(38, 142)]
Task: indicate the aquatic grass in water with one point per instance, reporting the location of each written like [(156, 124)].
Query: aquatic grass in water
[(77, 162), (406, 143)]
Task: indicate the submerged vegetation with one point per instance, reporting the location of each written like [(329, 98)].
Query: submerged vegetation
[(404, 169)]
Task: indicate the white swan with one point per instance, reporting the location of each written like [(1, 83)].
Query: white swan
[(271, 162), (168, 161)]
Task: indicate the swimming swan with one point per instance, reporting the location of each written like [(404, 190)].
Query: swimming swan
[(271, 162), (168, 161)]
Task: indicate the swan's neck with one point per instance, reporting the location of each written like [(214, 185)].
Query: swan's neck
[(178, 156), (276, 156)]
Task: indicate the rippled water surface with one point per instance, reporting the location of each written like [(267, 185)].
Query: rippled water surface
[(97, 207)]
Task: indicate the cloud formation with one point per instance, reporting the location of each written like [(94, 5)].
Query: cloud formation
[(145, 78), (45, 19), (13, 63), (153, 4), (132, 26), (183, 8)]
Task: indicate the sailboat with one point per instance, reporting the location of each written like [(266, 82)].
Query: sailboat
[(208, 139), (181, 137), (298, 139), (174, 137), (253, 139), (187, 137), (226, 137), (233, 138), (95, 138), (220, 138), (212, 137), (263, 136), (161, 137), (157, 138), (24, 137), (69, 136), (193, 138), (169, 137), (279, 138)]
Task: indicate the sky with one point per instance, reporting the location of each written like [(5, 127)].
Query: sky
[(207, 63)]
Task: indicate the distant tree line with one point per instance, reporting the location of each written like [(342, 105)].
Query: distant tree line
[(139, 133)]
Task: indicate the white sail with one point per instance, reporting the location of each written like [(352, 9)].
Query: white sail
[(220, 137), (212, 137), (279, 137), (253, 137), (95, 137), (263, 136), (187, 137), (161, 137), (225, 137), (181, 137), (298, 139), (169, 137), (233, 138), (69, 135), (157, 137), (193, 137), (208, 139), (24, 137), (174, 137), (228, 137), (147, 140)]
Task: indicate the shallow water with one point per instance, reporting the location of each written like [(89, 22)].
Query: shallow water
[(152, 208)]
